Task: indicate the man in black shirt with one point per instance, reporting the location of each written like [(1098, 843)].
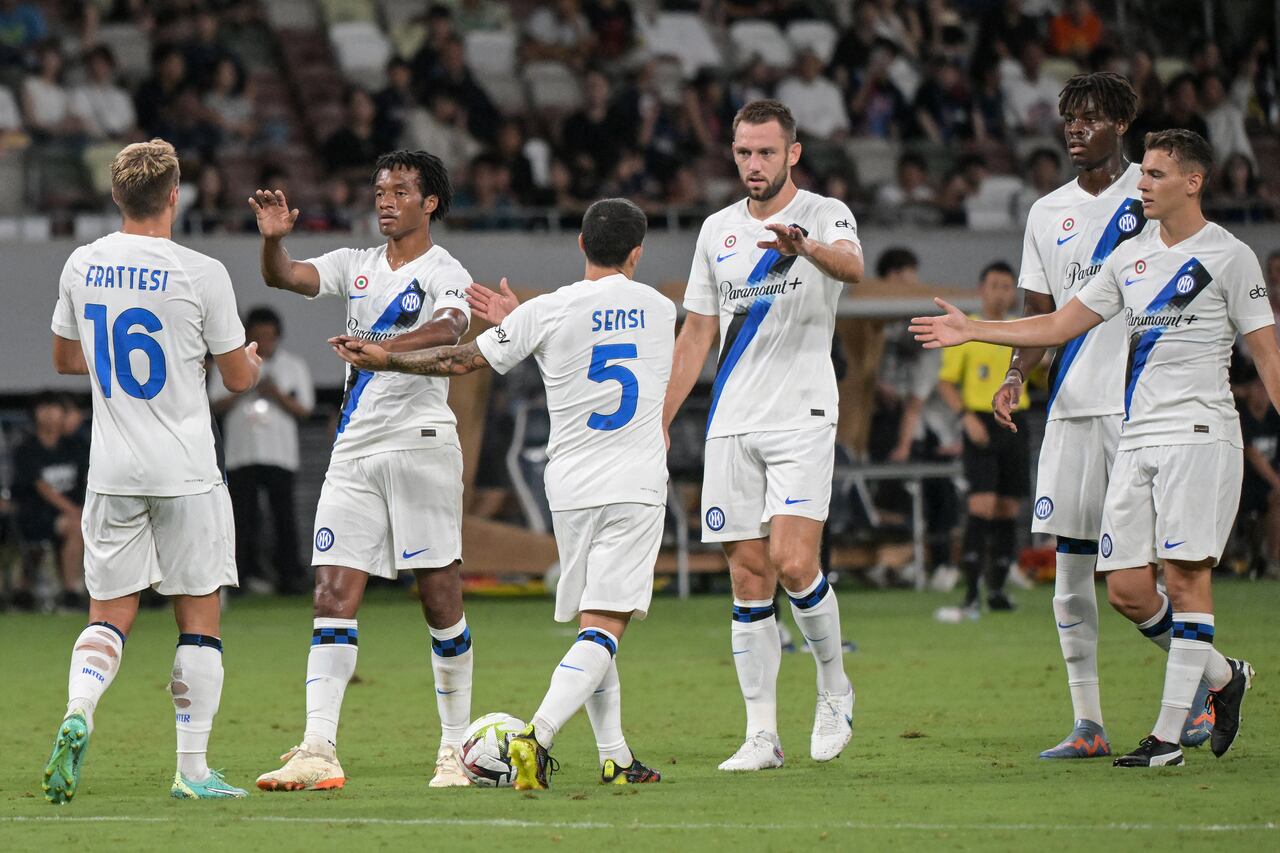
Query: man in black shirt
[(1260, 492), (49, 474)]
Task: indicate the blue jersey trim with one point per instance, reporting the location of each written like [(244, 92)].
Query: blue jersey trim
[(352, 400), (1065, 360)]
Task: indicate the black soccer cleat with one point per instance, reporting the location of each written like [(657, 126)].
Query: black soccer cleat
[(1152, 752), (1226, 705), (634, 773)]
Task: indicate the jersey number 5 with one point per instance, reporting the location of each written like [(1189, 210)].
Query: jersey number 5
[(124, 341), (601, 371)]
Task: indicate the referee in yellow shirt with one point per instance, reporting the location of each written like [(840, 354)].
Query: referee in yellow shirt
[(995, 460)]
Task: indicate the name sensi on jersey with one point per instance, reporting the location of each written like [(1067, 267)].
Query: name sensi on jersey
[(617, 319), (126, 277)]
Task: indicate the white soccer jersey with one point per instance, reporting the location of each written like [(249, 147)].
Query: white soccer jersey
[(604, 348), (1183, 307), (777, 315), (146, 311), (392, 411), (1069, 235)]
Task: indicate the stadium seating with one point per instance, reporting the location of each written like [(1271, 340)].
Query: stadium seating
[(815, 35), (362, 50), (760, 40), (292, 14), (131, 48), (552, 87), (685, 36)]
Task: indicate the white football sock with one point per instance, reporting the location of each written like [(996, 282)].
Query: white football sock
[(451, 661), (757, 654), (196, 688), (604, 709), (95, 660), (576, 677), (817, 615), (1188, 653), (1157, 629), (330, 665), (1075, 610)]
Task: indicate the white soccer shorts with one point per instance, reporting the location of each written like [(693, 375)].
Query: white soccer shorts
[(182, 545), (749, 478), (1170, 503), (606, 558), (388, 512), (1071, 480)]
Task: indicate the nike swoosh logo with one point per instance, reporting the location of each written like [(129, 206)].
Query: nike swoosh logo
[(790, 501), (818, 640), (1172, 545), (317, 678), (361, 296), (409, 555), (720, 258), (228, 791), (1129, 281), (445, 692), (1062, 240), (743, 652), (576, 668), (1072, 625)]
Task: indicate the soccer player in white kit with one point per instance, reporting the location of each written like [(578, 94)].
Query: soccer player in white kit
[(767, 274), (603, 346), (1070, 233), (1185, 290), (392, 497), (138, 313)]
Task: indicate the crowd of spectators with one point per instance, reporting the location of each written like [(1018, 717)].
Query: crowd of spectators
[(923, 111)]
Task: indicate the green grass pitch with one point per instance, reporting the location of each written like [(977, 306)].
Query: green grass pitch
[(947, 727)]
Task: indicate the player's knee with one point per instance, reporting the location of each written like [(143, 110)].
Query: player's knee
[(1127, 604), (796, 573), (329, 603)]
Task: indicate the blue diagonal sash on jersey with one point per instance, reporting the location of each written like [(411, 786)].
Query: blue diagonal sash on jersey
[(1065, 359), (1185, 285), (742, 329), (356, 386), (1128, 221), (397, 312)]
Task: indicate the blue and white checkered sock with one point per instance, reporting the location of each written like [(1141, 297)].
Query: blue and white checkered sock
[(1189, 648), (575, 678), (451, 662), (330, 665)]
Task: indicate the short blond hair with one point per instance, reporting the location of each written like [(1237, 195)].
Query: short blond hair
[(142, 175)]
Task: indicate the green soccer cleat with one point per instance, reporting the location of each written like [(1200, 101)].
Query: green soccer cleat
[(634, 773), (532, 764), (62, 773), (213, 788)]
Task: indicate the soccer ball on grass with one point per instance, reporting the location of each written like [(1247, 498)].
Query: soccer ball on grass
[(484, 750)]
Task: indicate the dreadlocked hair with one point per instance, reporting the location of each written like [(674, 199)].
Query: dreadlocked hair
[(433, 177), (1109, 92)]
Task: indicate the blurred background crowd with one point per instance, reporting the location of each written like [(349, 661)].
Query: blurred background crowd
[(931, 112)]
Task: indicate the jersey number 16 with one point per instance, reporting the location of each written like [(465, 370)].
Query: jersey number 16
[(124, 342)]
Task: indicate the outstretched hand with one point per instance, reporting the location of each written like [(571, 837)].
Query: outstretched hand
[(946, 330), (490, 306), (275, 219), (360, 353), (788, 239)]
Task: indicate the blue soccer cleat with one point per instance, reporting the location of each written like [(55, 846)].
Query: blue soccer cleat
[(1199, 725), (213, 788), (1087, 740), (62, 773)]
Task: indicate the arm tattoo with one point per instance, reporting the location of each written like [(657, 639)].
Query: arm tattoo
[(439, 361)]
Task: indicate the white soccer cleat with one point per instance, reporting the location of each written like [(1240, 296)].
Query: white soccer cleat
[(305, 769), (449, 769), (761, 751), (832, 725)]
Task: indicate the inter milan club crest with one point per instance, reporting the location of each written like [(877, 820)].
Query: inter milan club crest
[(1128, 223)]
